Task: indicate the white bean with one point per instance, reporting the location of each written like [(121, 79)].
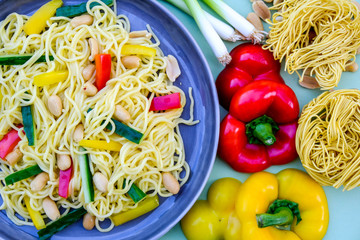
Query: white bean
[(122, 114), (94, 48), (63, 161), (13, 157), (131, 61), (50, 208), (89, 89), (39, 182), (78, 133), (170, 183), (55, 105), (81, 20), (88, 221), (101, 182)]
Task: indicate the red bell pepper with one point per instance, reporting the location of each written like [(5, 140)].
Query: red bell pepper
[(103, 70), (64, 181), (170, 101), (260, 129), (9, 142), (249, 63)]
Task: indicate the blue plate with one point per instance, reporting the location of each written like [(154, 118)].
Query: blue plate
[(200, 140)]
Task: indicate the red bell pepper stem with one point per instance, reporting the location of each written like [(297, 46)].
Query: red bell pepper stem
[(171, 101), (64, 181), (103, 70), (9, 142), (261, 131)]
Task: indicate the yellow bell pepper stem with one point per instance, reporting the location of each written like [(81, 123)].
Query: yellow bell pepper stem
[(50, 78), (138, 50), (37, 22), (35, 215), (147, 205), (299, 187), (100, 144)]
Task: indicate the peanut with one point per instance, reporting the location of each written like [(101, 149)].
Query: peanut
[(94, 48), (309, 82), (137, 34), (90, 89), (255, 20), (352, 67)]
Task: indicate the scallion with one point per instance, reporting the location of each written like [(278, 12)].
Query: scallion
[(236, 20), (225, 31), (215, 42)]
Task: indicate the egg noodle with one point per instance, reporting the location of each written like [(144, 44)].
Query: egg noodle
[(320, 36), (328, 138), (161, 149)]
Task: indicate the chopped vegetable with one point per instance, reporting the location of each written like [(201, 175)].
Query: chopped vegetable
[(236, 20), (170, 101), (215, 42), (34, 215), (135, 193), (138, 50), (103, 70), (143, 207), (249, 63), (126, 131), (37, 22), (250, 142), (76, 10), (9, 142), (64, 181), (61, 223), (1, 97), (99, 144), (23, 174), (20, 59), (50, 78), (86, 177), (225, 31), (29, 124)]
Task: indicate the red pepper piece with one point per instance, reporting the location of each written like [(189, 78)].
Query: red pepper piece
[(9, 142), (103, 70), (249, 104), (64, 181), (170, 101), (249, 63)]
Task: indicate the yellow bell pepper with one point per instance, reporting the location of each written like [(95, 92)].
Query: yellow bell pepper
[(50, 78), (147, 205), (100, 144), (287, 206), (35, 215), (37, 22), (138, 50), (215, 218), (261, 189)]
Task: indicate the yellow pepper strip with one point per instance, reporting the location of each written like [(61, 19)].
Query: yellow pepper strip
[(147, 205), (100, 144), (215, 218), (1, 97), (50, 78), (289, 205), (35, 215), (37, 22), (138, 50)]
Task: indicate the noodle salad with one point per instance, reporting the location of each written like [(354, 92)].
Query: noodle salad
[(89, 118)]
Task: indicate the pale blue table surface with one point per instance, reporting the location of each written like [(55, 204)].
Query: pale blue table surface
[(344, 206)]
